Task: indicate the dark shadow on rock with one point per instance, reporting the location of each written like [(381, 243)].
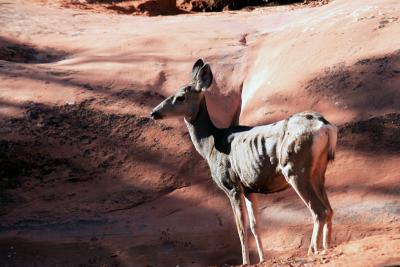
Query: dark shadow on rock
[(219, 5), (15, 51), (21, 252), (370, 85), (148, 7), (123, 10), (83, 144), (377, 135)]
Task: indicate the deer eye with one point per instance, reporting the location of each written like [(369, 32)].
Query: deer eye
[(180, 98)]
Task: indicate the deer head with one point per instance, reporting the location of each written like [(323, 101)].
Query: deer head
[(186, 101)]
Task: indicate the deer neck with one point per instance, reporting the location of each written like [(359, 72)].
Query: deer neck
[(202, 131)]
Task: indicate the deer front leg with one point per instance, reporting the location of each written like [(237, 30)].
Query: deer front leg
[(236, 199)]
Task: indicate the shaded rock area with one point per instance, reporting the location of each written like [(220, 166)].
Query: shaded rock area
[(73, 144), (173, 7), (26, 53), (375, 135)]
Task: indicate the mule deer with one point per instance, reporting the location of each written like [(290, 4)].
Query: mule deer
[(263, 159)]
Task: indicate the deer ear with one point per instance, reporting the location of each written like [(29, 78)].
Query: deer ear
[(204, 78), (196, 68)]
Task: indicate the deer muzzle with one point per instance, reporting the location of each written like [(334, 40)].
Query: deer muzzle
[(155, 115)]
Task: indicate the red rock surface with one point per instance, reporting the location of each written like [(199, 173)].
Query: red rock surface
[(90, 181)]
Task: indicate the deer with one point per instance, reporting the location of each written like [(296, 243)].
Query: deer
[(263, 159)]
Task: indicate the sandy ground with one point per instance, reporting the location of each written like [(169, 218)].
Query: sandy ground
[(88, 180)]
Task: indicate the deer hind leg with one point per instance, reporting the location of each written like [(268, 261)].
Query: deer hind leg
[(301, 183), (327, 229), (318, 183), (251, 205), (235, 197), (327, 232), (320, 150)]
